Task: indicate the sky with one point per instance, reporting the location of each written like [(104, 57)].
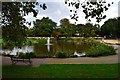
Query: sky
[(57, 10)]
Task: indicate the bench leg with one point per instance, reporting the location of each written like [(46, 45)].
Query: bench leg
[(14, 62), (26, 61)]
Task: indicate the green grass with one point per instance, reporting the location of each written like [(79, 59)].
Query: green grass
[(62, 71)]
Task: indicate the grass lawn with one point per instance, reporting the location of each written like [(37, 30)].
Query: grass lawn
[(62, 71)]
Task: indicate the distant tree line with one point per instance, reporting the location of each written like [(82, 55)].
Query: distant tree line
[(46, 27)]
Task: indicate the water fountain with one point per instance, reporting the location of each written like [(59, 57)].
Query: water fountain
[(48, 41), (48, 44)]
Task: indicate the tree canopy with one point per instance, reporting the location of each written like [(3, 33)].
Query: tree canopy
[(110, 28), (91, 8), (66, 28), (13, 21), (87, 30), (44, 27)]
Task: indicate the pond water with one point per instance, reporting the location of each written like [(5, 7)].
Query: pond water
[(43, 50), (13, 51)]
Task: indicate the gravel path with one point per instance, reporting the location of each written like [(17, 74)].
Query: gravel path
[(81, 60)]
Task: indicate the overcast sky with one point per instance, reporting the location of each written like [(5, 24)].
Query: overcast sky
[(57, 10)]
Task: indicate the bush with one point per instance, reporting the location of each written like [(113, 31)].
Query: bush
[(73, 56), (28, 42), (66, 39), (61, 54), (100, 49), (30, 55), (26, 55), (41, 40), (4, 54), (21, 55)]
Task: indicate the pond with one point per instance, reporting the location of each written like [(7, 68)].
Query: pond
[(62, 48), (43, 50)]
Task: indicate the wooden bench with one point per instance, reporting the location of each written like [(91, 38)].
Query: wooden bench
[(16, 59)]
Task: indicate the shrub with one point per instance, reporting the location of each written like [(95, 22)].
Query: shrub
[(29, 43), (21, 55), (100, 49), (5, 54), (73, 56), (41, 40), (66, 39), (30, 55), (61, 54), (26, 55)]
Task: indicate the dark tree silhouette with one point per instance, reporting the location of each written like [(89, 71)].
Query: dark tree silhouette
[(91, 8), (110, 28), (13, 21)]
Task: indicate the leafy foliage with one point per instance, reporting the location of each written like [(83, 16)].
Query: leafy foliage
[(26, 55), (61, 54), (66, 28), (44, 27), (99, 49), (13, 23), (75, 4), (110, 28), (56, 33), (41, 41), (87, 30), (91, 8)]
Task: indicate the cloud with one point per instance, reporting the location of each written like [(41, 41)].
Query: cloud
[(57, 10), (30, 18)]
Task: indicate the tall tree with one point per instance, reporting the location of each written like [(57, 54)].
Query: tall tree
[(87, 30), (110, 28), (44, 27), (91, 8), (66, 28), (13, 21)]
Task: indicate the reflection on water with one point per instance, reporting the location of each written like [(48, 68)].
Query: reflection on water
[(68, 47), (41, 50), (23, 49)]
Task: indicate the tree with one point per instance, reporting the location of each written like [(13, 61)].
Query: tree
[(56, 33), (13, 12), (91, 8), (87, 30), (13, 23), (66, 28), (110, 28), (44, 27), (30, 32)]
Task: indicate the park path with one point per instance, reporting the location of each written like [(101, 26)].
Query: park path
[(81, 60)]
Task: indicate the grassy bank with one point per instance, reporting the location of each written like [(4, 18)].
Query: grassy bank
[(62, 71)]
